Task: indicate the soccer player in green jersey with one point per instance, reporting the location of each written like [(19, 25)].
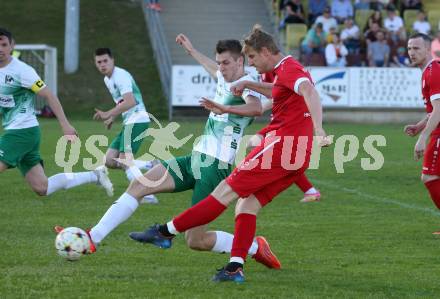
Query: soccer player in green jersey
[(210, 161), (129, 103), (20, 142)]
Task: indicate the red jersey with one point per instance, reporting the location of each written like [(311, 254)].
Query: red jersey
[(431, 87), (290, 115), (268, 77)]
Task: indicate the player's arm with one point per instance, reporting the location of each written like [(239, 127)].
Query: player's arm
[(431, 124), (208, 64), (311, 97), (127, 103), (260, 87), (413, 130), (252, 107), (55, 105)]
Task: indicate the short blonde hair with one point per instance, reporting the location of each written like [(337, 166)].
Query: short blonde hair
[(259, 39)]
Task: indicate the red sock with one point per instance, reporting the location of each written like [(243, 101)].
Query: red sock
[(202, 213), (245, 227), (303, 183), (434, 190)]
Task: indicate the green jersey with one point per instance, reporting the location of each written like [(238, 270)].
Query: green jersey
[(120, 83), (223, 133), (19, 83)]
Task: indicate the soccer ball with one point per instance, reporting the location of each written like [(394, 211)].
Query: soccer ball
[(72, 243)]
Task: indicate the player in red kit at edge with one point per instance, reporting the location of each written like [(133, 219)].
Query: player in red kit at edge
[(419, 51), (271, 167)]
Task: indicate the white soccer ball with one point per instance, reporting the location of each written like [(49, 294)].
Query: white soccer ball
[(72, 243)]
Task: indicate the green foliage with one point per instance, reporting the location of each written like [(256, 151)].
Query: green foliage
[(116, 24), (370, 236)]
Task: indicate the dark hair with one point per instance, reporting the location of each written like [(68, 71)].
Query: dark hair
[(4, 32), (229, 45), (259, 39), (426, 38), (103, 51)]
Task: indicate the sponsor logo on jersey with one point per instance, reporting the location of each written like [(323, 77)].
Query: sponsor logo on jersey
[(2, 153), (9, 79), (7, 101)]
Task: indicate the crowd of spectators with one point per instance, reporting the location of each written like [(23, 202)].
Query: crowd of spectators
[(334, 35)]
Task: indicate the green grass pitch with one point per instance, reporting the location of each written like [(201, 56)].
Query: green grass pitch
[(370, 236)]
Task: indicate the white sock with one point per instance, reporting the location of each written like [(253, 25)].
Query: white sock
[(171, 228), (69, 180), (133, 173), (143, 165), (236, 259), (120, 211), (311, 190), (223, 243)]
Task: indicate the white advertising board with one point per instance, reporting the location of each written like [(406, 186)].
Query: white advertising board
[(355, 87)]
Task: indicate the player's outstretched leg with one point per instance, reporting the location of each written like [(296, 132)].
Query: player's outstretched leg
[(126, 205), (62, 181)]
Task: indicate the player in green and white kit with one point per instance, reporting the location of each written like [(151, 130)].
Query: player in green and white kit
[(129, 103), (20, 142), (210, 161)]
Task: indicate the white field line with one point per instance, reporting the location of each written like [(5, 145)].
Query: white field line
[(376, 198)]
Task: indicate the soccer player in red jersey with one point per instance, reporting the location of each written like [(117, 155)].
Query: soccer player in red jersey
[(419, 50), (310, 192), (279, 160)]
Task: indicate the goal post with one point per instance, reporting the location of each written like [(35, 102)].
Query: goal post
[(43, 59)]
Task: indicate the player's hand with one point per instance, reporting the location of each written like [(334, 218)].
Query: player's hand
[(109, 122), (419, 148), (69, 133), (101, 115), (184, 41), (411, 130), (237, 88), (213, 106), (322, 138)]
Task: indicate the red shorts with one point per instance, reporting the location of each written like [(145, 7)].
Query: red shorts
[(431, 162), (271, 167)]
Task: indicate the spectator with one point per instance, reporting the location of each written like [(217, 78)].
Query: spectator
[(330, 34), (375, 17), (294, 14), (327, 20), (421, 25), (394, 25), (370, 35), (435, 47), (335, 53), (376, 5), (378, 51), (410, 4), (342, 9), (316, 8), (314, 42), (154, 5), (400, 59), (362, 4), (350, 36)]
